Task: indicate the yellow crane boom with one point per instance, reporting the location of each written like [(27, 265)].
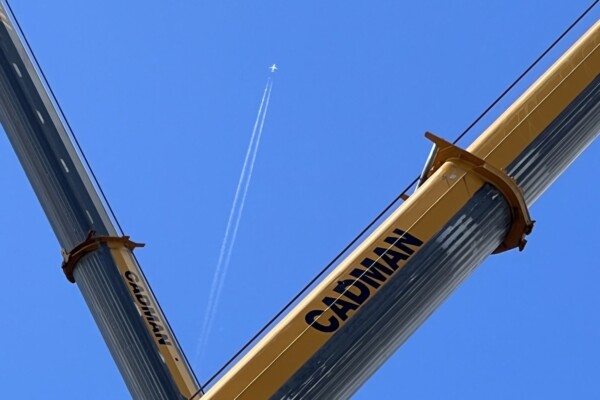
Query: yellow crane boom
[(472, 203)]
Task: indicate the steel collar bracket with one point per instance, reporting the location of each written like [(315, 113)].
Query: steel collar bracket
[(90, 244), (522, 224)]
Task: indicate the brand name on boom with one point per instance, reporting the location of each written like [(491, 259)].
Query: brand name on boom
[(148, 310), (361, 283)]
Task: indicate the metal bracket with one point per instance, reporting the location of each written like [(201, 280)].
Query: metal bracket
[(90, 244), (522, 224)]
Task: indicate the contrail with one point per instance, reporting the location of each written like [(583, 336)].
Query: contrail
[(244, 193), (235, 216)]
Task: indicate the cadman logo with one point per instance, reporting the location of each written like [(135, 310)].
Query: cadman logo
[(361, 283), (148, 311)]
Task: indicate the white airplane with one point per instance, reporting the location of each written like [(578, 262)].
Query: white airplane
[(273, 68)]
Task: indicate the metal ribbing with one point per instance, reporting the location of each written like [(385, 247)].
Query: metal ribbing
[(73, 207), (140, 365), (544, 160), (381, 325), (44, 149)]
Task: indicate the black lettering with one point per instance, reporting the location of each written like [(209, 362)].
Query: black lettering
[(156, 327), (150, 313), (312, 317), (340, 307), (354, 290), (136, 289), (163, 339), (375, 272), (404, 239), (391, 257), (142, 299), (131, 277)]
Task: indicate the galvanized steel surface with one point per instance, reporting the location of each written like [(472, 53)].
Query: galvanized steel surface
[(73, 207), (380, 326)]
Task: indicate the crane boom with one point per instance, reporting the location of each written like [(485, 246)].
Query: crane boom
[(343, 330), (469, 204), (97, 258)]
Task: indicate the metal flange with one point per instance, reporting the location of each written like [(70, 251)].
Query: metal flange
[(522, 224), (90, 244)]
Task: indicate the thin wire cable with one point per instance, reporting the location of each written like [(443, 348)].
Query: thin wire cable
[(370, 225), (64, 118), (72, 134), (508, 89), (376, 261), (309, 284)]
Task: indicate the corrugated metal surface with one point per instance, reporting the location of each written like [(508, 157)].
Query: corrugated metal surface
[(399, 307), (122, 328), (562, 141), (73, 207), (44, 149), (380, 326)]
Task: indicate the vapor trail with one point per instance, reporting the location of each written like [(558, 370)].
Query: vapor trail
[(235, 215), (245, 192)]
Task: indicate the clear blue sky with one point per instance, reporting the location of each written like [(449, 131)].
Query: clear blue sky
[(163, 96)]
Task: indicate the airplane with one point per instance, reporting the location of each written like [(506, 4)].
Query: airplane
[(273, 68)]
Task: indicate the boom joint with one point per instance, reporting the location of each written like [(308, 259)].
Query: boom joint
[(90, 244), (522, 224)]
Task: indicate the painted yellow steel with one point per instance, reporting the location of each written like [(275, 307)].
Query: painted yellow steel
[(521, 224), (527, 117), (156, 322), (261, 372)]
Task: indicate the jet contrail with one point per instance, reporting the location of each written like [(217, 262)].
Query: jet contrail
[(244, 193), (235, 216)]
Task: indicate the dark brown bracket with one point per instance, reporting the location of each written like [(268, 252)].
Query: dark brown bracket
[(522, 224), (90, 244)]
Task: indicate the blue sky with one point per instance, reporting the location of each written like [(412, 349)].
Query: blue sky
[(163, 96)]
